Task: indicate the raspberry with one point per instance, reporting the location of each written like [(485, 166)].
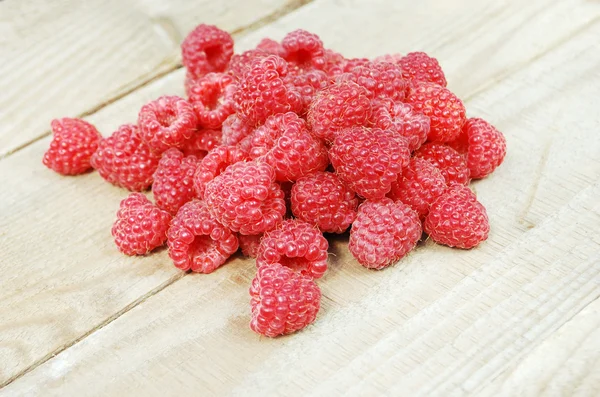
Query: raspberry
[(451, 164), (284, 143), (246, 198), (391, 58), (240, 63), (445, 110), (297, 245), (212, 99), (174, 180), (333, 63), (346, 65), (167, 122), (402, 118), (213, 164), (197, 242), (341, 105), (262, 91), (282, 301), (308, 83), (73, 144), (420, 184), (234, 130), (457, 219), (384, 231), (322, 199), (249, 244), (369, 160), (202, 142), (271, 47), (418, 66), (140, 226), (124, 160), (304, 49), (206, 49), (382, 80)]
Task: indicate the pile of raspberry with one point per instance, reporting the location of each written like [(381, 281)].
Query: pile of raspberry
[(278, 146)]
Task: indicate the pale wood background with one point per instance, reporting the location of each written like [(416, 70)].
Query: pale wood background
[(517, 316)]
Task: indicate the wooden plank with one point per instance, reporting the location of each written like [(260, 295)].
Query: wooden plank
[(442, 321)]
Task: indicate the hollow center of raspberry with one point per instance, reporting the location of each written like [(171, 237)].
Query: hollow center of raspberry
[(212, 54), (301, 58), (296, 264), (201, 247), (212, 99), (167, 117)]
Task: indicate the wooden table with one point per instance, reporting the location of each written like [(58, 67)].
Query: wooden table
[(519, 315)]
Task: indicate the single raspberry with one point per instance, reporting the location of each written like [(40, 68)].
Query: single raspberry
[(341, 105), (262, 91), (382, 80), (246, 198), (457, 219), (420, 184), (124, 160), (304, 49), (451, 164), (391, 58), (167, 122), (72, 146), (174, 180), (202, 142), (285, 144), (213, 164), (282, 301), (197, 242), (418, 66), (384, 231), (240, 63), (140, 226), (445, 110), (369, 160), (212, 99), (249, 244), (234, 130), (297, 245), (206, 49), (322, 199), (271, 47), (402, 118), (308, 83)]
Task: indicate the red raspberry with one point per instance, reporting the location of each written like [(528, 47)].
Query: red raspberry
[(420, 184), (206, 49), (382, 80), (297, 245), (322, 199), (457, 219), (271, 47), (174, 180), (124, 160), (249, 244), (341, 105), (213, 164), (446, 111), (140, 226), (73, 144), (240, 63), (402, 118), (167, 122), (282, 301), (202, 142), (369, 160), (285, 144), (262, 91), (197, 242), (308, 83), (234, 130), (212, 99), (346, 65), (451, 164), (304, 49), (246, 198), (333, 63), (391, 58), (418, 66), (384, 231)]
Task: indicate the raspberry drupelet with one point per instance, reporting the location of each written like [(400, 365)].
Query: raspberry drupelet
[(213, 164), (212, 99), (206, 49), (418, 66), (304, 49), (174, 180), (402, 118), (451, 164)]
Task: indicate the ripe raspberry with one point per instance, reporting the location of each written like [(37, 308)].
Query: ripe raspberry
[(451, 164), (369, 160), (73, 144), (341, 105), (418, 66), (262, 91), (285, 144), (197, 242), (206, 49), (382, 80), (402, 118), (174, 180), (234, 130), (308, 83), (445, 110), (384, 231), (167, 122), (420, 184), (391, 58), (297, 245), (249, 244), (246, 198), (322, 199), (457, 219), (346, 65), (202, 142), (282, 301), (271, 47), (304, 49), (124, 160), (213, 164), (212, 99), (140, 226), (333, 63), (240, 63)]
